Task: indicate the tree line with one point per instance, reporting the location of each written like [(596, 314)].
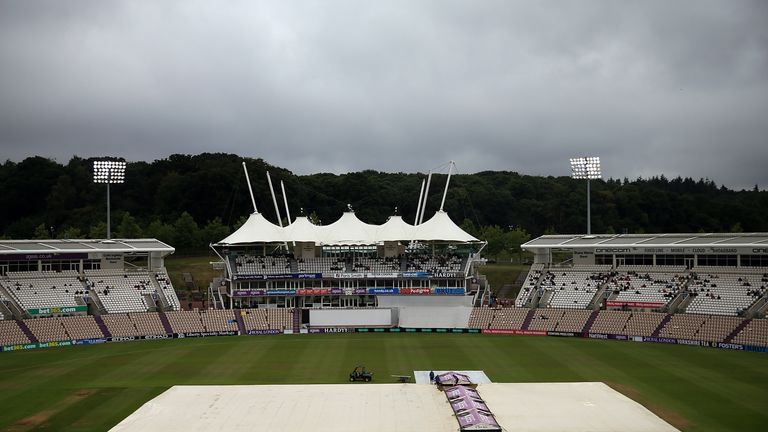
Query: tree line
[(193, 200)]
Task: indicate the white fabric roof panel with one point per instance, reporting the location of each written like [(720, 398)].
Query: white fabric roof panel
[(256, 229), (395, 229), (348, 230), (440, 227)]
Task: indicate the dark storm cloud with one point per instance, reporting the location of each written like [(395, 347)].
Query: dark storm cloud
[(673, 88)]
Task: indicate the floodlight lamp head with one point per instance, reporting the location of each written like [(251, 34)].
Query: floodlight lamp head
[(105, 171), (586, 168)]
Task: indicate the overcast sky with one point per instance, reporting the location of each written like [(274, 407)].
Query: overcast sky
[(667, 87)]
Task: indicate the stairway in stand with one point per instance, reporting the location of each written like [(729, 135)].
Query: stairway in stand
[(590, 321), (27, 331), (662, 324), (736, 331), (240, 322), (165, 322), (528, 319), (296, 320), (102, 326)]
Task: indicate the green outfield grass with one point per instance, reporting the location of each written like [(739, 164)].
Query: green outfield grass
[(91, 388)]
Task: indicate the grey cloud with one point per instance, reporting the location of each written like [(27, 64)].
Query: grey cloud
[(673, 88)]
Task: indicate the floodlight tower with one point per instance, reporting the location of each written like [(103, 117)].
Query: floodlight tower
[(586, 168), (109, 172)]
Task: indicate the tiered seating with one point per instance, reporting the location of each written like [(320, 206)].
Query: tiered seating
[(218, 320), (646, 287), (185, 321), (434, 264), (611, 322), (545, 319), (572, 289), (683, 326), (480, 317), (376, 265), (80, 327), (166, 288), (534, 274), (717, 327), (47, 330), (147, 323), (33, 290), (260, 265), (643, 323), (320, 265), (725, 294), (508, 318), (265, 319), (121, 291), (120, 325), (755, 333), (11, 333), (573, 320)]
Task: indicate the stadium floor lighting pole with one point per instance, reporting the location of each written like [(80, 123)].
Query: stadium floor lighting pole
[(109, 172), (586, 168)]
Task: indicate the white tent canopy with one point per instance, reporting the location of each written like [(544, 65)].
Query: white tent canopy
[(441, 228), (257, 229), (348, 230), (395, 229)]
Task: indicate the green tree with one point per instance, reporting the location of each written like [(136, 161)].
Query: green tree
[(128, 227), (71, 233), (41, 232), (98, 231), (214, 231), (186, 234)]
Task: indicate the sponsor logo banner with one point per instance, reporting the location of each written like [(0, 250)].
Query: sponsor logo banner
[(313, 291), (265, 332), (246, 276), (416, 291), (449, 291), (44, 256), (415, 275), (248, 293), (378, 291), (562, 334), (20, 347), (660, 340), (518, 332), (332, 330), (647, 305), (205, 334), (89, 341), (57, 310), (607, 336)]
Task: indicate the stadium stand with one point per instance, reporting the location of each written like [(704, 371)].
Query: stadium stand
[(147, 323), (754, 333), (683, 326), (121, 291), (376, 265), (572, 289), (32, 290), (185, 321), (716, 328), (166, 289), (320, 265), (529, 286), (47, 329), (611, 322), (11, 333), (261, 265), (267, 319), (434, 264), (722, 293), (80, 327), (120, 325), (218, 320), (643, 323), (648, 287)]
